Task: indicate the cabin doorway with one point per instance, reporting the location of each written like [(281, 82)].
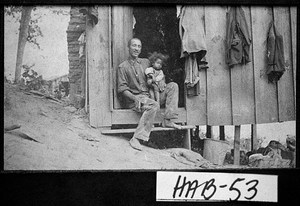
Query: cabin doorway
[(158, 29)]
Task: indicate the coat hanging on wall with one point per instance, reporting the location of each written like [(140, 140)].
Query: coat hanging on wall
[(275, 55), (237, 37), (193, 45)]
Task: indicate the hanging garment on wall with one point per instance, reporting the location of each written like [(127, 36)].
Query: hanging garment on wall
[(191, 31), (192, 75), (193, 44), (238, 39), (275, 54)]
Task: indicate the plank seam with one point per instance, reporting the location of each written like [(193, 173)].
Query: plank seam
[(253, 67)]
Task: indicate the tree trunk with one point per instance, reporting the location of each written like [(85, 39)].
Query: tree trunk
[(23, 33)]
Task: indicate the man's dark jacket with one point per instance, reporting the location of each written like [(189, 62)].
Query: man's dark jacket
[(237, 37), (275, 55)]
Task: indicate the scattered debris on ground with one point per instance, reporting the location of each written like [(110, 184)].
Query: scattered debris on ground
[(41, 134), (274, 155)]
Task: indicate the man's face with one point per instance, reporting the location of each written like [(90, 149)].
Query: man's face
[(135, 48)]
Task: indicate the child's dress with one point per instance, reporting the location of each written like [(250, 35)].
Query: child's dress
[(158, 76)]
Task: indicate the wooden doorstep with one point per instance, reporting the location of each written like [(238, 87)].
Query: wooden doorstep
[(128, 116), (154, 129)]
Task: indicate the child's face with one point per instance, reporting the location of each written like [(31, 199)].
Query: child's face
[(157, 65)]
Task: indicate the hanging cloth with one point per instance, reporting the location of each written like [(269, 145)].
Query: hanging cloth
[(237, 37), (275, 55), (192, 75), (193, 45), (191, 31)]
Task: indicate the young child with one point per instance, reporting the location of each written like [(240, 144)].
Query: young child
[(155, 75)]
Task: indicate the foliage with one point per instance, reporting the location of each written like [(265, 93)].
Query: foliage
[(13, 11), (34, 30), (31, 80)]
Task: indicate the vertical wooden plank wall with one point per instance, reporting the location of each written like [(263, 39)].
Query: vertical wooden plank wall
[(286, 82), (122, 22), (98, 70), (240, 95), (218, 75), (266, 105), (117, 41), (196, 105), (242, 86), (128, 27), (293, 12)]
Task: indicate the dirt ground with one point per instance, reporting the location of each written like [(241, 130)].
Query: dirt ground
[(58, 137)]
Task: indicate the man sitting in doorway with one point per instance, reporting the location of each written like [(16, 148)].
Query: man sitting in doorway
[(134, 94)]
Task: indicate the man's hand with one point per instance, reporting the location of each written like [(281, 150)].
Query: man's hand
[(137, 103), (129, 95)]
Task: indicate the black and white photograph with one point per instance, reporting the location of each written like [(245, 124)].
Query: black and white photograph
[(143, 88), (149, 87)]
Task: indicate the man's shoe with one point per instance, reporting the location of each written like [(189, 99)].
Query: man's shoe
[(135, 144), (169, 123)]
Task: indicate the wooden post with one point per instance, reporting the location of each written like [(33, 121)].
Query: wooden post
[(111, 101), (86, 86), (86, 77), (222, 133), (253, 136), (237, 135), (122, 21), (293, 17), (187, 140), (208, 131), (97, 45)]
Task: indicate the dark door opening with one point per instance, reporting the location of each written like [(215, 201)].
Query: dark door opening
[(158, 29)]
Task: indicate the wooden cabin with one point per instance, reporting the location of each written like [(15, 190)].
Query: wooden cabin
[(228, 96)]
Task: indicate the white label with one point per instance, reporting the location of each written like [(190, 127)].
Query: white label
[(213, 186)]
